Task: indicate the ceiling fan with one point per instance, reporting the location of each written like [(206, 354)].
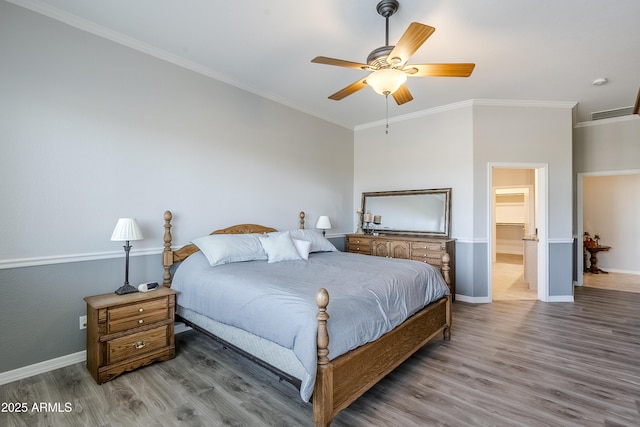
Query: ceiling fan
[(389, 63)]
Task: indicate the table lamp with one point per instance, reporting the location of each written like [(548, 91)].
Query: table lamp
[(126, 230), (324, 224)]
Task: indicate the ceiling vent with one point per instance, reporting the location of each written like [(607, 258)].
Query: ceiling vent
[(616, 112)]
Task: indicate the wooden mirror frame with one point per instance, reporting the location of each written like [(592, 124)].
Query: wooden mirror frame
[(408, 193)]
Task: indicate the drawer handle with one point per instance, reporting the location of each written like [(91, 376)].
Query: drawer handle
[(140, 310), (139, 345), (141, 321)]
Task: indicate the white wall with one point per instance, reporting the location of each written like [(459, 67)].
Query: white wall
[(428, 151), (452, 147), (611, 209), (91, 131)]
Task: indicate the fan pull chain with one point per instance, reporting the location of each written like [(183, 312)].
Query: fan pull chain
[(386, 99)]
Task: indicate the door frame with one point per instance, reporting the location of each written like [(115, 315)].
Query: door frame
[(541, 196)]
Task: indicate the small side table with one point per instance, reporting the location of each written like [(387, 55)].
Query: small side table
[(594, 258), (125, 332)]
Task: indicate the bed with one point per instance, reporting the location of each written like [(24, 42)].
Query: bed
[(267, 306)]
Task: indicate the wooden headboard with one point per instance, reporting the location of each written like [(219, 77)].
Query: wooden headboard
[(169, 256)]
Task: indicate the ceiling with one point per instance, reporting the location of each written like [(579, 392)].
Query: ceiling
[(543, 50)]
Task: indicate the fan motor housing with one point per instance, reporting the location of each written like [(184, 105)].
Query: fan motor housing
[(378, 57)]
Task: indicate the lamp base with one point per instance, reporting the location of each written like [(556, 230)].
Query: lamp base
[(126, 289)]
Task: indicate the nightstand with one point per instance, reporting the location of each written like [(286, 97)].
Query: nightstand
[(125, 332)]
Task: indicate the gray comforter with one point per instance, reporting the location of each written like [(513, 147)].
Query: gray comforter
[(369, 296)]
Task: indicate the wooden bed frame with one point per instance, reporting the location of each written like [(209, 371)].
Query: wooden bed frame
[(342, 380)]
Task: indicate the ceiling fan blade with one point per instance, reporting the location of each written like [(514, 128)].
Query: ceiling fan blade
[(352, 88), (339, 63), (402, 95), (636, 108), (410, 41), (439, 70)]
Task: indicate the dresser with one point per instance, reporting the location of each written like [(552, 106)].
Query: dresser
[(418, 248), (125, 332)]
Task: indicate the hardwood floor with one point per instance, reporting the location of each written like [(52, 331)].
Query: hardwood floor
[(509, 363), (507, 279), (615, 281)]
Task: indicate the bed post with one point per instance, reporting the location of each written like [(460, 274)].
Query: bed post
[(302, 220), (323, 388), (167, 254), (446, 268)]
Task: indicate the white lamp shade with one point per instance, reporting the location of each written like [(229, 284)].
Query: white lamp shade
[(323, 223), (386, 81), (126, 229)]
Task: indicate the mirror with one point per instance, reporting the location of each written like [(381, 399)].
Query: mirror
[(423, 212)]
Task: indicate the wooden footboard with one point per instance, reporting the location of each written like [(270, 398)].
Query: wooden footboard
[(341, 381)]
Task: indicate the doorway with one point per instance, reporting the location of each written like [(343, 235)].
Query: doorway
[(517, 256), (606, 207)]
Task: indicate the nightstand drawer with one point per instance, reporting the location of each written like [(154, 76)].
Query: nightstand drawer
[(137, 309), (136, 321), (136, 344)]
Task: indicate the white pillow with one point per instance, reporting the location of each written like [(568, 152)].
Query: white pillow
[(279, 247), (225, 248), (303, 247), (319, 243)]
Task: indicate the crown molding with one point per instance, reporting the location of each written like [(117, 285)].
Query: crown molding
[(469, 103)]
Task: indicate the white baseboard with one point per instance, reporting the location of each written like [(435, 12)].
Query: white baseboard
[(561, 298), (616, 270), (58, 362), (473, 300), (42, 367), (486, 300)]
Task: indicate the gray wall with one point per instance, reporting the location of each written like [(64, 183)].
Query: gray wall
[(91, 131)]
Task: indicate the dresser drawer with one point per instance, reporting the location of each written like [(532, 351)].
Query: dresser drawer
[(433, 259), (137, 344), (426, 246), (359, 245)]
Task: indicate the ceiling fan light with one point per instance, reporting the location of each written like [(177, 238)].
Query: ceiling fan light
[(386, 81)]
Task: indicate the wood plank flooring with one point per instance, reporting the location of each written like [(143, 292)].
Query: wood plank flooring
[(509, 363), (507, 279), (617, 281)]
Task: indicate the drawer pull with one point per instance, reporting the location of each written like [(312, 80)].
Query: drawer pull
[(138, 345), (140, 310), (141, 321)]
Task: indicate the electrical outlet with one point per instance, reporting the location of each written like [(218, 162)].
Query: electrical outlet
[(83, 322)]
